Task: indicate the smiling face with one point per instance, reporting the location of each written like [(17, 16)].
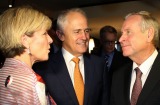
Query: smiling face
[(75, 36), (39, 45), (134, 42)]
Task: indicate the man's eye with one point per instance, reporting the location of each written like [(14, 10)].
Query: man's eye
[(77, 31), (128, 32), (87, 30)]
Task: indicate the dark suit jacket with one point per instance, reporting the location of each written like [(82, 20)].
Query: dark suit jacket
[(117, 62), (150, 94), (60, 87)]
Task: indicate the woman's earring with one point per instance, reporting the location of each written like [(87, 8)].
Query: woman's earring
[(28, 51)]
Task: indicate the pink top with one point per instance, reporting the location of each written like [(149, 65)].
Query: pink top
[(20, 86)]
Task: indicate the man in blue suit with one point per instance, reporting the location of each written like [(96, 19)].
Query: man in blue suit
[(73, 31)]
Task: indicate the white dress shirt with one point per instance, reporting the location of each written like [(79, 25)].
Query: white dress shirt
[(71, 65), (145, 68)]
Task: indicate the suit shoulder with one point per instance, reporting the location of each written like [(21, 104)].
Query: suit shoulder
[(125, 67), (55, 56), (95, 57)]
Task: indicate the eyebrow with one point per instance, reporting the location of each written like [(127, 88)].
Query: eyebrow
[(82, 29)]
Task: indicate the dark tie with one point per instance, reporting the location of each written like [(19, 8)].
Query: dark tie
[(106, 62), (137, 87)]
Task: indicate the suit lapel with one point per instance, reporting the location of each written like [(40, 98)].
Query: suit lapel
[(127, 81), (88, 77), (64, 77), (151, 81)]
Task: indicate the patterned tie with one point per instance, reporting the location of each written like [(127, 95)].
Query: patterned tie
[(78, 82), (137, 87), (106, 62)]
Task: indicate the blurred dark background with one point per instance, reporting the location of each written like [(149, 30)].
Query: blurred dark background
[(99, 12)]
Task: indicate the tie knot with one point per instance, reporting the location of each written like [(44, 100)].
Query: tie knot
[(76, 60), (106, 57), (138, 72)]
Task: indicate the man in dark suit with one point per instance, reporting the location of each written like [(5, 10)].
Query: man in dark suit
[(139, 40), (108, 51), (73, 31), (112, 58)]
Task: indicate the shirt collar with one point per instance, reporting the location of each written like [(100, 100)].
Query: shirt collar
[(68, 56), (109, 54), (147, 64)]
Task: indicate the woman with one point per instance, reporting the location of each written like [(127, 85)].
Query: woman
[(23, 40)]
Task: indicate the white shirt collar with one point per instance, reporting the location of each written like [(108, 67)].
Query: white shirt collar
[(147, 64), (68, 56)]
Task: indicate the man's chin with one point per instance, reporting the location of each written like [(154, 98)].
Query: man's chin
[(83, 51)]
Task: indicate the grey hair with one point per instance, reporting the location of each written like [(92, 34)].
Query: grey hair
[(148, 21), (62, 18)]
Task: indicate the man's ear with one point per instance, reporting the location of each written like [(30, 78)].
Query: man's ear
[(25, 41), (150, 34), (60, 35)]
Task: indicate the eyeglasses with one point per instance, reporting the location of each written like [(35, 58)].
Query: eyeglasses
[(110, 42)]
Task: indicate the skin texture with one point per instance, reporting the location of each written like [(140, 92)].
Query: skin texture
[(75, 36), (40, 45), (136, 44)]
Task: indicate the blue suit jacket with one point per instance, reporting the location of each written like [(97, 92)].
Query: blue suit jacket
[(60, 87)]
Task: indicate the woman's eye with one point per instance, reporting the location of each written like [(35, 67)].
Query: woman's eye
[(45, 33)]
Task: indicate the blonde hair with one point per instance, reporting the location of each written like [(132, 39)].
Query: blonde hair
[(148, 21), (16, 22)]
